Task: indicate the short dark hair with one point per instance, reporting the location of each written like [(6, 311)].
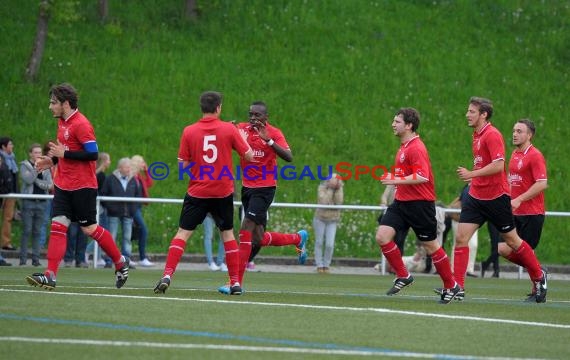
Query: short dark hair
[(4, 140), (65, 92), (262, 104), (209, 101), (484, 105), (411, 116), (529, 124)]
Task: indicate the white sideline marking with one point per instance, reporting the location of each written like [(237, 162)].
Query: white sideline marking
[(387, 353), (306, 306), (210, 290)]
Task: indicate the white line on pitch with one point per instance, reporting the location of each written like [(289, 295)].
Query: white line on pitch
[(307, 306), (138, 344)]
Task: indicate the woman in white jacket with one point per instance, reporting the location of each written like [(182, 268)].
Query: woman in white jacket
[(326, 220)]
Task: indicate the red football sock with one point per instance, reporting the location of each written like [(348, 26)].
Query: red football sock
[(233, 260), (280, 239), (244, 252), (394, 257), (175, 252), (529, 261), (443, 267), (106, 242), (267, 239), (460, 260), (514, 258), (56, 247)]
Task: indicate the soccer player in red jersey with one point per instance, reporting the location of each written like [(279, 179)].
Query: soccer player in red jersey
[(413, 206), (528, 180), (259, 182), (206, 148), (75, 196), (489, 198)]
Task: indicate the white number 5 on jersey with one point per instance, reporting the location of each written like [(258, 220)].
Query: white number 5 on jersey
[(209, 145)]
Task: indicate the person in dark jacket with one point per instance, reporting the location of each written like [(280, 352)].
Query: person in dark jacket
[(8, 205), (121, 183)]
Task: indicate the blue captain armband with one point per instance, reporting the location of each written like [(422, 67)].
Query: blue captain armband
[(91, 147), (90, 152)]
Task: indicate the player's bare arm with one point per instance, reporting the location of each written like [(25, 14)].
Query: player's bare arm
[(490, 169), (89, 152), (411, 179), (532, 191)]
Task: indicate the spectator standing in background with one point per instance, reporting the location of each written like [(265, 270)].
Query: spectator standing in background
[(76, 247), (8, 205), (330, 192), (140, 172), (49, 204), (103, 163), (121, 183), (473, 242), (33, 210), (219, 264)]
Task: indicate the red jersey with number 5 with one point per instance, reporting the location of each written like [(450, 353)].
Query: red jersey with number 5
[(207, 147), (525, 168), (73, 133), (488, 146)]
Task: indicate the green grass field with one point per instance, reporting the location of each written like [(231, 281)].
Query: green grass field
[(281, 315)]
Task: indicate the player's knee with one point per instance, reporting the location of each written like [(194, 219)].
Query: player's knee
[(382, 238), (90, 229), (248, 224), (512, 239), (462, 239), (62, 219), (503, 249)]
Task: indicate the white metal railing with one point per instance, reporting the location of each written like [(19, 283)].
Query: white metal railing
[(238, 203)]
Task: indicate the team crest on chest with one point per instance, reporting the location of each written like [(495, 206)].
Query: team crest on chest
[(520, 164), (402, 157), (66, 133)]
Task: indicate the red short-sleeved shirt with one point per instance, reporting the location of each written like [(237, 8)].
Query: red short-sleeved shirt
[(207, 145), (413, 158), (73, 133), (261, 171), (525, 168), (488, 146)]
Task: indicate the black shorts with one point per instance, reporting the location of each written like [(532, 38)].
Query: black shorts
[(529, 228), (497, 211), (77, 205), (256, 202), (194, 211), (418, 214)]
